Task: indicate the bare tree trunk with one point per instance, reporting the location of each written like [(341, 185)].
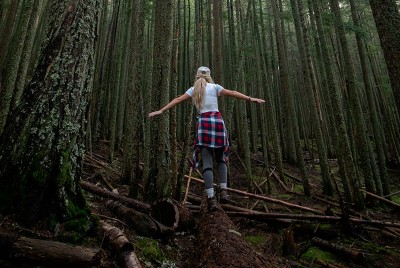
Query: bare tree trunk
[(387, 20), (158, 182)]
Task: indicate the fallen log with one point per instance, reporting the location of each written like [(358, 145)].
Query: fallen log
[(142, 223), (354, 255), (386, 201), (49, 253), (221, 245), (172, 214), (266, 198), (261, 216), (120, 245), (132, 203)]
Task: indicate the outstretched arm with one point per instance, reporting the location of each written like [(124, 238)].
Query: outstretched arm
[(238, 95), (171, 104)]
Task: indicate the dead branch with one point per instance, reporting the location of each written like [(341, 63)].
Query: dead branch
[(386, 201), (281, 183), (265, 198)]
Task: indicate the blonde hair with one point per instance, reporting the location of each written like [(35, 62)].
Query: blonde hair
[(200, 84)]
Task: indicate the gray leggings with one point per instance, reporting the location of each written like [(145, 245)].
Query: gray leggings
[(207, 157)]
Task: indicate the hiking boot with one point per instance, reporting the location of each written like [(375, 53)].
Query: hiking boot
[(212, 203), (223, 196)]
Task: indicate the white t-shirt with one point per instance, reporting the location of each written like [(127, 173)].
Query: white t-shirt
[(210, 101)]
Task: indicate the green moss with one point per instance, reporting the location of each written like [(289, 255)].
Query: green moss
[(396, 199), (325, 226), (316, 253), (38, 169), (65, 170), (255, 240), (77, 223), (284, 196), (297, 188), (150, 250)]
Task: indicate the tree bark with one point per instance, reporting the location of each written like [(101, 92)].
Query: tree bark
[(120, 245), (387, 20), (49, 253), (159, 162), (41, 149), (221, 245)]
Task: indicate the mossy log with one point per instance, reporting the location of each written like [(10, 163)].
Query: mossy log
[(129, 202), (49, 253), (354, 255), (142, 223), (120, 245), (221, 245)]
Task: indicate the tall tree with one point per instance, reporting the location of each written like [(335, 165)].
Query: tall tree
[(312, 91), (10, 70), (341, 140), (159, 178), (42, 149), (378, 137), (133, 116), (387, 20), (6, 31), (289, 104), (360, 131)]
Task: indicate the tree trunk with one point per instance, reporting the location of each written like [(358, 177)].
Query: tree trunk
[(159, 178), (6, 32), (387, 20), (42, 148), (221, 245), (133, 114)]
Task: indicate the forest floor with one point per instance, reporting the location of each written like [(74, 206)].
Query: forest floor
[(284, 243)]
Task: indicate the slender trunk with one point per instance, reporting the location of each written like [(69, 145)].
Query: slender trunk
[(387, 20)]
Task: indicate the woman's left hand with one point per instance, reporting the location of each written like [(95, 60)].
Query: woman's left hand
[(155, 113)]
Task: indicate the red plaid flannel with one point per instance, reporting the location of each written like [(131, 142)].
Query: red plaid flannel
[(211, 132)]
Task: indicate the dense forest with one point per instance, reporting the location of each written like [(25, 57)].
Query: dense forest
[(78, 152)]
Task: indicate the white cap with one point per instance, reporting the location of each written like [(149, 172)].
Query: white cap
[(204, 70)]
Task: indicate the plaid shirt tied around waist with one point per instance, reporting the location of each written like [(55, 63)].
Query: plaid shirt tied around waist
[(211, 132)]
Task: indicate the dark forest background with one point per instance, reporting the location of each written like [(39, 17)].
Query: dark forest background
[(74, 73)]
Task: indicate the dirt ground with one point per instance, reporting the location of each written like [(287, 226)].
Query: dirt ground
[(285, 243)]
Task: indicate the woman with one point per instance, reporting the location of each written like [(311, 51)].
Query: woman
[(211, 136)]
